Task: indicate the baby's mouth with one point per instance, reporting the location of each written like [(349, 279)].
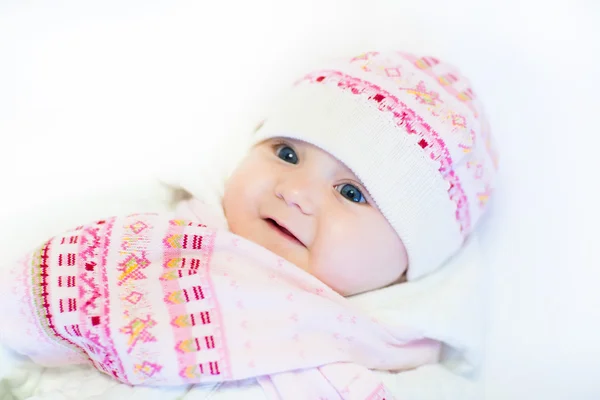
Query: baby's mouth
[(284, 231)]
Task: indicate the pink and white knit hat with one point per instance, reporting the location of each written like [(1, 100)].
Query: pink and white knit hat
[(412, 131)]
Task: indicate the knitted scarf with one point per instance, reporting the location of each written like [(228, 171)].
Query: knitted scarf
[(152, 300)]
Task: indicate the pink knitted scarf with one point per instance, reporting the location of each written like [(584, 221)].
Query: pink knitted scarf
[(158, 301)]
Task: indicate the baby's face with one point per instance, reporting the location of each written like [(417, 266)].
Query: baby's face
[(306, 206)]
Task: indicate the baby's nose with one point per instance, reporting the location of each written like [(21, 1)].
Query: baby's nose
[(298, 191)]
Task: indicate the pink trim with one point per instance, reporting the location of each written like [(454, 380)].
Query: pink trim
[(216, 308), (40, 279), (170, 286), (413, 124), (111, 351), (187, 249), (88, 291)]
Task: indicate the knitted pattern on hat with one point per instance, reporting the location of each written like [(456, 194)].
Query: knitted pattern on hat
[(413, 131)]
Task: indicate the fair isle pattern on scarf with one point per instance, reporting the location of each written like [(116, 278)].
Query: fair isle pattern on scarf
[(158, 301)]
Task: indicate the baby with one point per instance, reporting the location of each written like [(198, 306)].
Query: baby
[(372, 170), (367, 173)]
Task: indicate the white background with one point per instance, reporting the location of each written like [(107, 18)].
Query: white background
[(94, 93)]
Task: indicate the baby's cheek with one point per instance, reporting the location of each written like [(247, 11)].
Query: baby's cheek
[(341, 264)]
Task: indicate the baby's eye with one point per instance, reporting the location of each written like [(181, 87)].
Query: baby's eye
[(287, 154), (351, 192)]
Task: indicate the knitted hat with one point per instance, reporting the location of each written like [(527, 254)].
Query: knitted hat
[(412, 131)]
